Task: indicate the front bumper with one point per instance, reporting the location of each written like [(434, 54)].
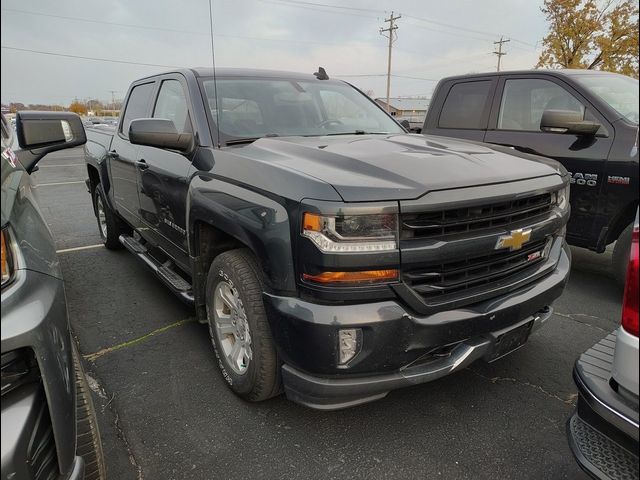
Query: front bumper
[(34, 319), (603, 430), (398, 348)]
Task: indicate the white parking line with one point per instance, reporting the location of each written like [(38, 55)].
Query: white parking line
[(66, 165), (75, 249), (58, 183)]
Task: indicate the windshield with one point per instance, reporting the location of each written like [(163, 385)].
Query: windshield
[(619, 91), (253, 107)]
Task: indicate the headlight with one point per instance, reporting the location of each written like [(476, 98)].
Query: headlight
[(562, 197), (352, 233), (7, 259)]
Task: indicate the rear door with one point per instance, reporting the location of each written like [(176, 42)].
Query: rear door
[(515, 121), (464, 108), (162, 174), (123, 154)]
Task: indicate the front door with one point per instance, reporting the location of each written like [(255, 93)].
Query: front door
[(162, 177), (515, 122)]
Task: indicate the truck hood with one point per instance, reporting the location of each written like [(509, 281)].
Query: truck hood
[(398, 167)]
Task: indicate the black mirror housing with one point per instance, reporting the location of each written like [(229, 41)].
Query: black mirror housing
[(405, 123), (40, 133), (567, 121), (160, 133)]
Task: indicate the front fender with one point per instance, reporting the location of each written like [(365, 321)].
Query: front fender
[(259, 222)]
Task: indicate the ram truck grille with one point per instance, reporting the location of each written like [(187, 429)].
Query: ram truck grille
[(469, 220)]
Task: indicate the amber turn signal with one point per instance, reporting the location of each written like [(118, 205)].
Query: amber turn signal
[(367, 276), (311, 222)]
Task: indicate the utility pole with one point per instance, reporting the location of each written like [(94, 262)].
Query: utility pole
[(391, 34), (113, 99), (500, 53)]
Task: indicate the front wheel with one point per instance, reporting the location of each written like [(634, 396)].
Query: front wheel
[(88, 443), (238, 326)]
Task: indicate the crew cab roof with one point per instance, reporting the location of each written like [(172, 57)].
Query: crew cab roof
[(222, 72), (563, 72)]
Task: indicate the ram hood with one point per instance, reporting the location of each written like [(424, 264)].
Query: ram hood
[(398, 167)]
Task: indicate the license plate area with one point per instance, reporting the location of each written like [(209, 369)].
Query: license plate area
[(510, 341)]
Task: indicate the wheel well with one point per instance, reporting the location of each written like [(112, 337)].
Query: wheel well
[(209, 242), (94, 181), (624, 218)]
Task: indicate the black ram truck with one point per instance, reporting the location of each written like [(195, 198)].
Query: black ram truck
[(585, 119), (331, 253)]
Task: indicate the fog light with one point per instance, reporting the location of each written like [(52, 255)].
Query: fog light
[(349, 344)]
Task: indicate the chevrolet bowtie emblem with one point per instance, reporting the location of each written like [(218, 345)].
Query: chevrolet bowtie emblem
[(514, 240)]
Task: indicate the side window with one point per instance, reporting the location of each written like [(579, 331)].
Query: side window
[(524, 101), (465, 105), (172, 105), (137, 105)]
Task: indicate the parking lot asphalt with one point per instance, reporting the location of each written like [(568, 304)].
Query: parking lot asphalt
[(166, 413)]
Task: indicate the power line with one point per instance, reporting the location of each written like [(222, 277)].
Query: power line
[(88, 20), (392, 35), (109, 60)]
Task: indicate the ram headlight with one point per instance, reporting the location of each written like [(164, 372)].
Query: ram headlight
[(351, 233)]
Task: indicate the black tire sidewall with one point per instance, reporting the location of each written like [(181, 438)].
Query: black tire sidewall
[(241, 384), (111, 241), (620, 257)]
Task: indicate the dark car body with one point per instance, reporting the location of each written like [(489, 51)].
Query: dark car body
[(603, 168), (185, 208), (38, 382)]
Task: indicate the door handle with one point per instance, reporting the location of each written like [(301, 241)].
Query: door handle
[(113, 154), (142, 164)]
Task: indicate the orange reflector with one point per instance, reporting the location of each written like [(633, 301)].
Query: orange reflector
[(5, 259), (368, 276), (311, 221)]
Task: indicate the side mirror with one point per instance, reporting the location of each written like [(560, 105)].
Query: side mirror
[(566, 121), (160, 133), (40, 133), (405, 123)]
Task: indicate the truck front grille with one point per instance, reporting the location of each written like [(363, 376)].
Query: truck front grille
[(474, 219), (445, 282)]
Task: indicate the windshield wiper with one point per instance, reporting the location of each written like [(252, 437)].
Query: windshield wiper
[(356, 132), (242, 141)]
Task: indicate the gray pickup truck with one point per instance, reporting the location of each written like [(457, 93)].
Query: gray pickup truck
[(332, 254)]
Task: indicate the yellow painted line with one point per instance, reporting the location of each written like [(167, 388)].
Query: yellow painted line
[(75, 249), (93, 356)]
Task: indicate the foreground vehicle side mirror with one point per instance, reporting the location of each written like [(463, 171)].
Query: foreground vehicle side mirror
[(405, 123), (567, 121), (160, 133), (40, 133)]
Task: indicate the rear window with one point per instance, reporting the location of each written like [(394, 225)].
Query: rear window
[(465, 105), (137, 105)]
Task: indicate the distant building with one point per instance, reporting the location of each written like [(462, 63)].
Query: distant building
[(414, 110)]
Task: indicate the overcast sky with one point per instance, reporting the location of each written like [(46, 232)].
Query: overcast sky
[(435, 39)]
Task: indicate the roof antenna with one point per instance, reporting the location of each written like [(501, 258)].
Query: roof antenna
[(321, 74), (215, 83)]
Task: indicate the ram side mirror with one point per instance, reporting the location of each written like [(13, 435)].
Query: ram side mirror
[(160, 133), (405, 123), (567, 121), (40, 133)]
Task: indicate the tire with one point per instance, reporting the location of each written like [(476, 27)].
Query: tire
[(110, 226), (88, 444), (621, 252), (256, 375)]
